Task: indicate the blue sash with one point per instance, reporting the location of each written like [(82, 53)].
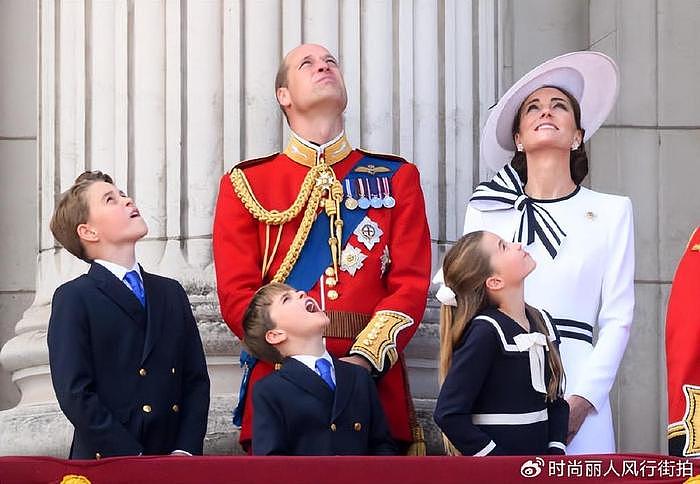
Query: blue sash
[(315, 257)]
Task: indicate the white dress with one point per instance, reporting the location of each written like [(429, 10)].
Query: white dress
[(590, 282)]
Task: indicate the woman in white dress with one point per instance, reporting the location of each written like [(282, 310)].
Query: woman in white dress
[(582, 240)]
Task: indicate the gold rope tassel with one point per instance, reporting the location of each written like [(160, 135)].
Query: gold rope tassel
[(417, 447), (319, 188)]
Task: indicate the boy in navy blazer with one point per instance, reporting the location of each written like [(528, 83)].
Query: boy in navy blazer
[(314, 404), (126, 359)]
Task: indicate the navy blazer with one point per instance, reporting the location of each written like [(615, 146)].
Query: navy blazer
[(487, 404), (131, 380), (296, 413)]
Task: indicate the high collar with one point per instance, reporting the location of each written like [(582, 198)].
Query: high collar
[(310, 154)]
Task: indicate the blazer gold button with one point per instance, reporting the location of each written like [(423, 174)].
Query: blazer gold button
[(357, 426), (147, 408), (333, 427), (332, 295), (142, 372), (176, 408), (98, 456)]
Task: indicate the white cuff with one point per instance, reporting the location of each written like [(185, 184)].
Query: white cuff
[(558, 445), (486, 450)]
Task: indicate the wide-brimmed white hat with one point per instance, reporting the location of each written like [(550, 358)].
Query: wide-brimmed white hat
[(591, 77)]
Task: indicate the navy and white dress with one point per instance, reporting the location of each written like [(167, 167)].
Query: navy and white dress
[(586, 282), (492, 401)]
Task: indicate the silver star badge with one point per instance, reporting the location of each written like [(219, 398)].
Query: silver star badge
[(351, 259), (368, 232)]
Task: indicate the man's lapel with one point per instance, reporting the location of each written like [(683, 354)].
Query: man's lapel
[(344, 386), (306, 379), (117, 291), (155, 305)]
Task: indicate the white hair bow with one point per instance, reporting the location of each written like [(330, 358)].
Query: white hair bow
[(446, 296)]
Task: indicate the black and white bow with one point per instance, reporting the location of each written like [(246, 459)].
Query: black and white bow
[(505, 191)]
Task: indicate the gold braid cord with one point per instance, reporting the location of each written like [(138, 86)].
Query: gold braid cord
[(319, 181), (378, 340)]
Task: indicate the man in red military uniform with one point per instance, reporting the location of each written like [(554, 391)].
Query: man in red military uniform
[(683, 354), (346, 226)]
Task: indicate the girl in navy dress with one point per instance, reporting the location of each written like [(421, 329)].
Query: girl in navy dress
[(500, 370)]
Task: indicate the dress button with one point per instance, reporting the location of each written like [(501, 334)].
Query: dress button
[(331, 282), (143, 372), (332, 294), (357, 426), (176, 408), (333, 427), (147, 408), (330, 272)]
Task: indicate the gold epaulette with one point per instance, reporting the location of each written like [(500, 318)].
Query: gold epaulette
[(388, 156), (378, 340), (253, 161)]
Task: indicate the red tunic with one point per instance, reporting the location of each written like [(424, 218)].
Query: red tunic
[(239, 243), (683, 354)]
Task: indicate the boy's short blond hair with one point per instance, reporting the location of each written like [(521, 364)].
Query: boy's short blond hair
[(257, 322), (73, 210)]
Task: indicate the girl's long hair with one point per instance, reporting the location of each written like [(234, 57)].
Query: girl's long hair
[(555, 385), (465, 270)]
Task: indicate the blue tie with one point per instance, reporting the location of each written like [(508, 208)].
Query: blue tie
[(134, 281), (324, 369)]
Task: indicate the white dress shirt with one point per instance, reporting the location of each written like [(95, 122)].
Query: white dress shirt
[(310, 361)]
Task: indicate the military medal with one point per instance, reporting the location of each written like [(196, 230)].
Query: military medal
[(376, 202), (362, 202), (350, 203), (388, 201), (351, 259), (368, 232), (385, 259)]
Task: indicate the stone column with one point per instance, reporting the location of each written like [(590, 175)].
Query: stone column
[(167, 95)]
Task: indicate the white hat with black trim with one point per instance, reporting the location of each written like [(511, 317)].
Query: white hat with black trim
[(591, 77)]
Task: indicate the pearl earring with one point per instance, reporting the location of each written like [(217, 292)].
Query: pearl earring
[(575, 146), (519, 147)]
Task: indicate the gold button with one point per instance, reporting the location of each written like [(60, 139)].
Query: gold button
[(142, 372), (330, 272), (357, 426), (172, 370), (333, 427), (331, 282), (278, 366), (147, 408), (98, 456), (176, 408), (332, 295)]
